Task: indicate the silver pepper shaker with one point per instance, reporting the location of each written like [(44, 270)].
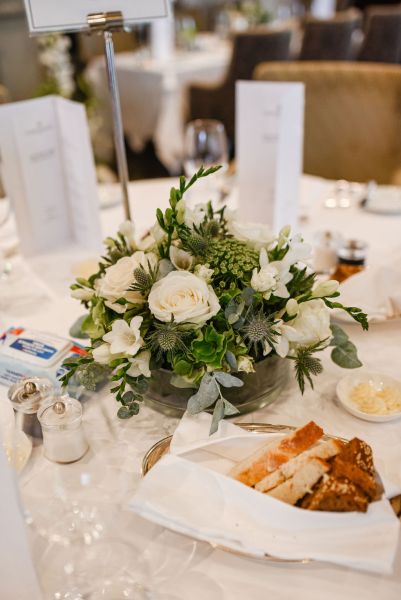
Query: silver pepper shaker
[(27, 396), (63, 435)]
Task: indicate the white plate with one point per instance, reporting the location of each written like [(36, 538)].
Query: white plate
[(386, 200), (378, 381)]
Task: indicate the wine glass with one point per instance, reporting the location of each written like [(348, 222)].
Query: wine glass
[(205, 144)]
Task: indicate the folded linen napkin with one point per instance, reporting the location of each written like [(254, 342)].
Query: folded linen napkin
[(377, 290), (188, 491)]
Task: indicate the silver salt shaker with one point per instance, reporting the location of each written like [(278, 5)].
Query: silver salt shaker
[(63, 435)]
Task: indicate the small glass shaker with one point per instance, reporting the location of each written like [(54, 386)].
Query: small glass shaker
[(351, 259), (27, 396), (63, 435)]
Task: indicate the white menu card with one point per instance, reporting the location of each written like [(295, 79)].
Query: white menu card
[(17, 574), (269, 141), (71, 15), (48, 173)]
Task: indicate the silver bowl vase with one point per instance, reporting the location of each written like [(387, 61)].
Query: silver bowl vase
[(260, 388)]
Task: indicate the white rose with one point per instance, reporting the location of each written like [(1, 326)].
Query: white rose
[(245, 364), (140, 365), (256, 235), (82, 293), (185, 297), (312, 323), (119, 277)]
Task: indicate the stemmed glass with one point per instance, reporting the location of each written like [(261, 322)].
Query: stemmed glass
[(205, 144)]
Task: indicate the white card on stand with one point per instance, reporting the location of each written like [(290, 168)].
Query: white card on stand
[(17, 573), (269, 143), (49, 174), (50, 15)]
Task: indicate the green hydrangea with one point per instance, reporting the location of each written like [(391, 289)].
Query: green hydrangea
[(210, 347)]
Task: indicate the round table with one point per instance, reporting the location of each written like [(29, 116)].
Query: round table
[(165, 565)]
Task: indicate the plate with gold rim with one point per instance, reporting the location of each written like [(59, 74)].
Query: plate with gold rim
[(161, 448)]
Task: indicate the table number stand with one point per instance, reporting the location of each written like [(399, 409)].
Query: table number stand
[(105, 24)]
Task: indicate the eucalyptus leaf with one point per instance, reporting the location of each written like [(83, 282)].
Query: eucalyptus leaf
[(339, 336), (232, 361), (345, 356), (247, 295), (207, 394), (124, 413), (127, 398), (227, 380), (229, 409), (76, 329), (218, 415)]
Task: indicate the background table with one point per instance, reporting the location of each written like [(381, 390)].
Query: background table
[(170, 566), (153, 93)]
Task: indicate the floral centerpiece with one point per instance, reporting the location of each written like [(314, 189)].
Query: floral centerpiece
[(206, 298)]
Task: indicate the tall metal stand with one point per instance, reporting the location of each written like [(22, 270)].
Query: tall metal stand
[(106, 23)]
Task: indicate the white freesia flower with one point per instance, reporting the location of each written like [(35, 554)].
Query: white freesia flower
[(82, 293), (118, 278), (125, 338), (298, 251), (204, 272), (325, 288), (282, 344), (102, 354), (312, 323), (272, 278), (292, 307), (183, 296), (182, 260), (194, 215), (140, 365), (256, 235), (245, 364), (158, 233), (127, 230)]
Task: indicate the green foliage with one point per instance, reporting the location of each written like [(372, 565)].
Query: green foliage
[(344, 353), (356, 313), (209, 347), (231, 260)]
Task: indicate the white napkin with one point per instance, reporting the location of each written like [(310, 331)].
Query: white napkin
[(192, 495), (376, 290)]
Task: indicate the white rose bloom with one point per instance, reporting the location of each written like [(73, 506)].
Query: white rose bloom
[(102, 354), (181, 259), (119, 277), (185, 297), (140, 365), (125, 338), (82, 293), (245, 364), (204, 272), (312, 323), (256, 235)]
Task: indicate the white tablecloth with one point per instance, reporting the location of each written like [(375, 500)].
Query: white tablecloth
[(172, 567), (153, 94)]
